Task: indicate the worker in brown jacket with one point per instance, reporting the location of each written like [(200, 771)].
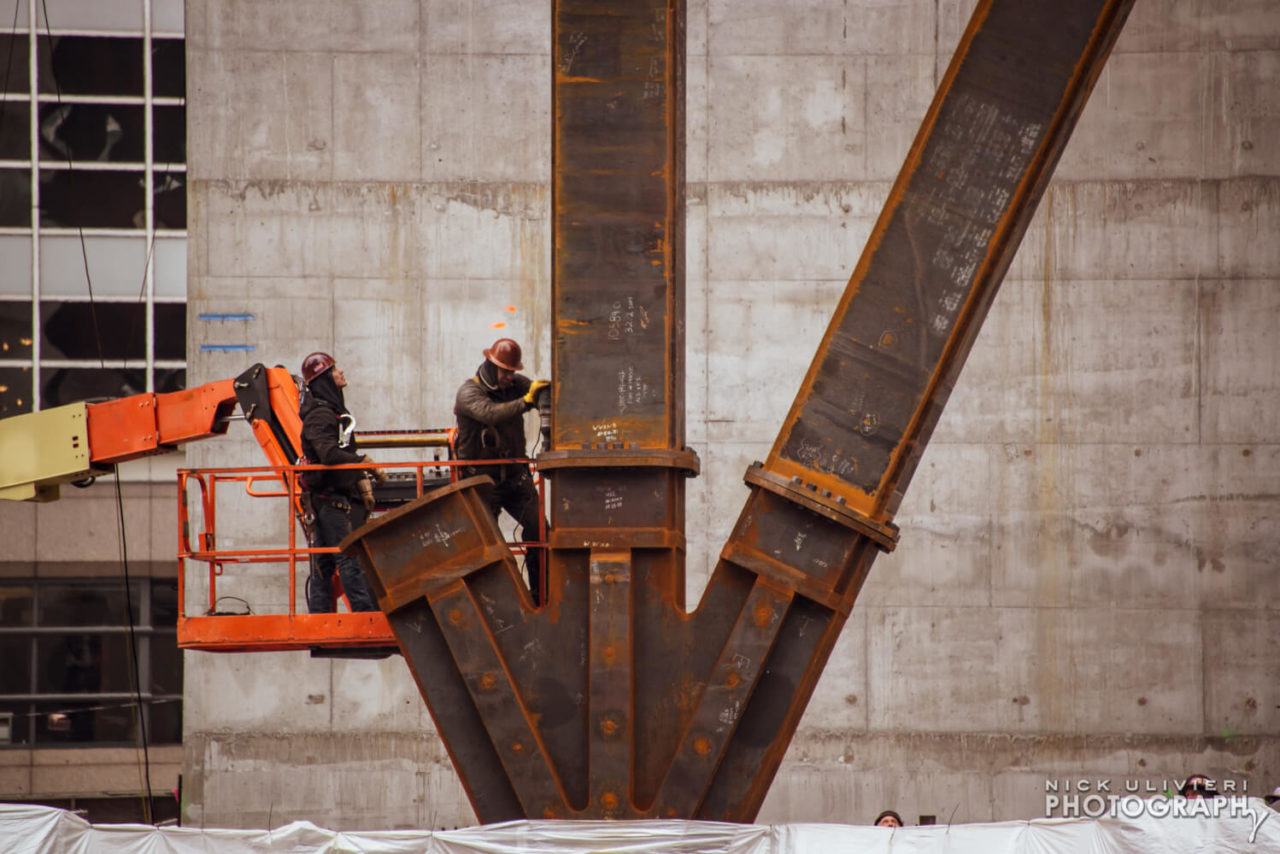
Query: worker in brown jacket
[(490, 408)]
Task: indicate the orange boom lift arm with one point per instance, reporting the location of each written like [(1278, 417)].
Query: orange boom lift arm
[(40, 451)]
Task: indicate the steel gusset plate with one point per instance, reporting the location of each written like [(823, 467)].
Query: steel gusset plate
[(612, 700)]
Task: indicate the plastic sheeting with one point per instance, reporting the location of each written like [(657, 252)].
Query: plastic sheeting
[(43, 830)]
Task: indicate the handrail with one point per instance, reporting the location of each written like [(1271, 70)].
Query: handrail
[(285, 484)]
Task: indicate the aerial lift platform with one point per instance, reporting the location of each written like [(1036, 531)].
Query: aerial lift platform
[(43, 451)]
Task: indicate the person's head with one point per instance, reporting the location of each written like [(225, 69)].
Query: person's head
[(888, 818), (1197, 786), (325, 380), (505, 356), (318, 364)]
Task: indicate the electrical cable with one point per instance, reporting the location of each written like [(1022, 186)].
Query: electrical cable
[(124, 545), (133, 647), (84, 251)]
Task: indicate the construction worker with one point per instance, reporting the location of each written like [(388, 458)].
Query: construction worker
[(888, 818), (340, 500), (490, 409)]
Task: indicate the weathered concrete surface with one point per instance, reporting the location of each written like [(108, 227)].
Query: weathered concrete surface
[(80, 772), (1087, 584)]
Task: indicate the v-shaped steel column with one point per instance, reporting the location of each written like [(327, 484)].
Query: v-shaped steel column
[(611, 700)]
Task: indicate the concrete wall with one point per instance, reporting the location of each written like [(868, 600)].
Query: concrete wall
[(1087, 583)]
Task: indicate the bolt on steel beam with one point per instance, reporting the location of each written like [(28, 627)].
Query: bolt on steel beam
[(611, 700)]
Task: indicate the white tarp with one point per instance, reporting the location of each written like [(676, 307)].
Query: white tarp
[(42, 830)]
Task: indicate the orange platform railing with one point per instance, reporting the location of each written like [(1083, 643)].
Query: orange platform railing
[(213, 630)]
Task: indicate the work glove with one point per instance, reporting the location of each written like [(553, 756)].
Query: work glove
[(377, 474), (531, 396), (365, 486)]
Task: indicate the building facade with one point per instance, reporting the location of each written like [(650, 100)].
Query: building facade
[(92, 304)]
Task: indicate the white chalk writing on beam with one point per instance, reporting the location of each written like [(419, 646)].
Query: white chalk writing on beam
[(982, 150), (633, 390)]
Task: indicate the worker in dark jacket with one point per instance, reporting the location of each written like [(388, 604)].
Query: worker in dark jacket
[(490, 408), (341, 499)]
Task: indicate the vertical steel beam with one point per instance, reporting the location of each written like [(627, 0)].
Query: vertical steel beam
[(611, 700), (618, 224), (617, 460)]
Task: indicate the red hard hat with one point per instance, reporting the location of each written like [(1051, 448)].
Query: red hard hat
[(315, 365), (505, 353)]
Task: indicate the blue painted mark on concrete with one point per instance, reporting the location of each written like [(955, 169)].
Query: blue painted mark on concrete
[(224, 315)]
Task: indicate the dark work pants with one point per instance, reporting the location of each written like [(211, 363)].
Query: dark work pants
[(518, 496), (335, 518)]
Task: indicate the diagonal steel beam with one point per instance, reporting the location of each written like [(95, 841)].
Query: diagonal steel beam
[(612, 700), (822, 504)]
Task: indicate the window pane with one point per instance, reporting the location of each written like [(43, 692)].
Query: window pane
[(90, 65), (170, 261), (171, 379), (15, 329), (170, 199), (166, 17), (75, 664), (15, 125), (74, 197), (13, 51), (165, 725), (15, 264), (20, 732), (119, 15), (117, 265), (166, 664), (168, 68), (171, 330), (15, 391), (15, 664), (102, 132), (70, 331), (16, 604), (164, 603), (77, 722), (68, 385), (15, 197), (84, 603), (169, 135)]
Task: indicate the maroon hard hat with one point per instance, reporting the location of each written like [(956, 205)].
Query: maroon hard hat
[(505, 353), (315, 365)]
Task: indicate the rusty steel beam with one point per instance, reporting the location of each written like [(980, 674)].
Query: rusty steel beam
[(822, 504), (550, 692), (617, 209), (612, 700)]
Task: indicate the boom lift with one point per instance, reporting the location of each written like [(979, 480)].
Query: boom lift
[(78, 442), (74, 443)]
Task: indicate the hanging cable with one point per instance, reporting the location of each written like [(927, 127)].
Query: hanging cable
[(84, 252), (124, 544), (133, 647)]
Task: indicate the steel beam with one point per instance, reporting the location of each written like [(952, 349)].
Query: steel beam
[(611, 700), (822, 504)]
